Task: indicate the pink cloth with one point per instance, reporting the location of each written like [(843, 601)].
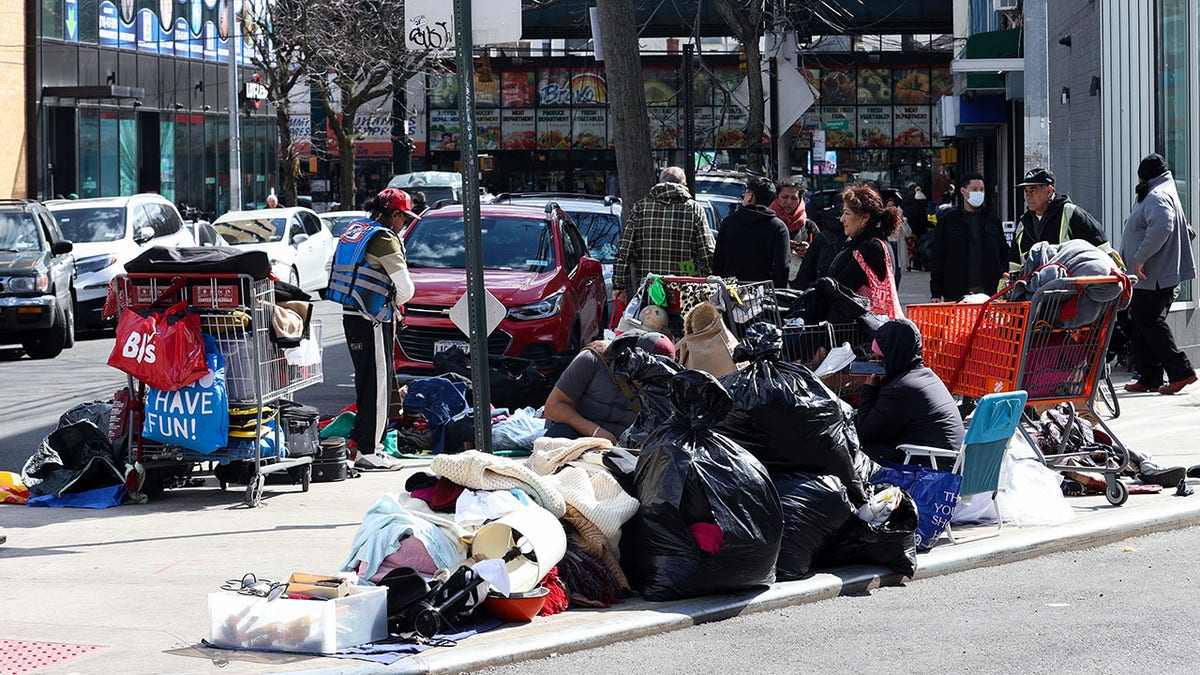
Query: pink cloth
[(708, 536), (411, 553)]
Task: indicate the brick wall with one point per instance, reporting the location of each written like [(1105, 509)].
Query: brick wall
[(1075, 130), (12, 99)]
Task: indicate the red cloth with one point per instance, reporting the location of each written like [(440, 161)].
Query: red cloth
[(793, 220), (445, 495), (708, 536), (556, 601)]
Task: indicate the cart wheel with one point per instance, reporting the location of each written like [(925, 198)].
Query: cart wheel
[(306, 478), (1117, 492), (254, 490)]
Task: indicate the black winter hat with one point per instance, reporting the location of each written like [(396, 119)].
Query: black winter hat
[(1152, 166)]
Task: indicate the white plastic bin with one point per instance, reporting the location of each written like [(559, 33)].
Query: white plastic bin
[(286, 625)]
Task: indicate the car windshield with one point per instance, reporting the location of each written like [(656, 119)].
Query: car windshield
[(508, 244), (18, 232), (602, 232), (84, 225), (252, 230), (338, 224), (729, 187)]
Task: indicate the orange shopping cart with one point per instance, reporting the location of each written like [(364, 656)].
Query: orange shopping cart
[(1053, 347)]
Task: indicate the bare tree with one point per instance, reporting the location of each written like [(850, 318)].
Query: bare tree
[(623, 68), (747, 20), (278, 38), (358, 57)]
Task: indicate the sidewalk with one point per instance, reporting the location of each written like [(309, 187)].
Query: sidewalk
[(134, 580)]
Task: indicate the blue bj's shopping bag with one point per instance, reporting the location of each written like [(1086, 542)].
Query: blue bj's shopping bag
[(934, 492), (195, 417)]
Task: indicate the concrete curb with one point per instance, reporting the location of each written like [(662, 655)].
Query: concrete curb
[(579, 630)]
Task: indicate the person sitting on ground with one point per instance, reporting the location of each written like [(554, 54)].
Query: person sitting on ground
[(590, 399), (909, 404)]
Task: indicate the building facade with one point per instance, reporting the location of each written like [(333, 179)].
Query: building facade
[(14, 26), (134, 97)]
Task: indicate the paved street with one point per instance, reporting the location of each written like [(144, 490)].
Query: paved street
[(1120, 607)]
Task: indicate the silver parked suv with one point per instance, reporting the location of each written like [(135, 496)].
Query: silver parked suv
[(36, 274)]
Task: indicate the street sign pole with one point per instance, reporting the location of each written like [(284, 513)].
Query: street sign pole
[(477, 308)]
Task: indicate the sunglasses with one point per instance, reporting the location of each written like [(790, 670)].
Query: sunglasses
[(252, 585)]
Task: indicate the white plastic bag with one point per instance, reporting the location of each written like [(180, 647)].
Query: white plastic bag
[(1029, 493)]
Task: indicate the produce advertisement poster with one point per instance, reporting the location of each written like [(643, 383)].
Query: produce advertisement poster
[(664, 128), (941, 83), (590, 126), (518, 88), (912, 126), (875, 126), (705, 122), (554, 128), (588, 87), (875, 85), (732, 132), (809, 122), (487, 128), (840, 124), (518, 128), (912, 85), (443, 91), (702, 89), (487, 94), (837, 87), (662, 86), (813, 75), (554, 86), (444, 131)]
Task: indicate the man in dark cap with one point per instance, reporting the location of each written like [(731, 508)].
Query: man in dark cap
[(1157, 247), (1051, 217)]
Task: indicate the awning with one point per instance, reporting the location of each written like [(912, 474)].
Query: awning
[(987, 56), (103, 91)]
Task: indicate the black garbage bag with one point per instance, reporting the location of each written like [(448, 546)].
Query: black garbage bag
[(73, 458), (653, 372), (892, 545), (690, 479), (828, 300), (787, 418), (514, 382), (815, 509)]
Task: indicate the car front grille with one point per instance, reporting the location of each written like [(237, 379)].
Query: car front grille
[(417, 341)]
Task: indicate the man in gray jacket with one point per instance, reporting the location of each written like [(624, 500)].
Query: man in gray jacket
[(1156, 245)]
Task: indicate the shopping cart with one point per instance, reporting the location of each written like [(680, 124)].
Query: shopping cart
[(741, 303), (236, 310), (1042, 346)]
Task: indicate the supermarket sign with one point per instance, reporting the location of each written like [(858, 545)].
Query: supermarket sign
[(835, 125)]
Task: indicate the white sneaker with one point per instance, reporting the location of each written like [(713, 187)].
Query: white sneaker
[(378, 460)]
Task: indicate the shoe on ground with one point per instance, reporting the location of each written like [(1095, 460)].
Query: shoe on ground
[(1138, 388), (1194, 472), (378, 461), (1154, 475), (1177, 386)]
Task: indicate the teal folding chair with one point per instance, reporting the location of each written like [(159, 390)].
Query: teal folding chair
[(991, 428)]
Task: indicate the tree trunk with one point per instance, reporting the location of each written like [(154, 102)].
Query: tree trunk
[(345, 139), (627, 99), (288, 162), (756, 122)]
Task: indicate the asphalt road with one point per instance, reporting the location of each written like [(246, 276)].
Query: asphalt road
[(33, 394), (1124, 607)]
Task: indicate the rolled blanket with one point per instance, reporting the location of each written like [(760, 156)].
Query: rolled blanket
[(480, 471), (550, 454)]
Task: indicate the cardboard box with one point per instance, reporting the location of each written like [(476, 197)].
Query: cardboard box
[(286, 625)]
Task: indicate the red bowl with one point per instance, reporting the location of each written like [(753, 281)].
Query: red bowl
[(517, 607)]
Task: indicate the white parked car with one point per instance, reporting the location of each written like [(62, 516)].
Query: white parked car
[(337, 221), (108, 232), (299, 245)]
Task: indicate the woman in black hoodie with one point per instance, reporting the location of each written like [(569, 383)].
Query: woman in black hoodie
[(907, 405), (864, 263)]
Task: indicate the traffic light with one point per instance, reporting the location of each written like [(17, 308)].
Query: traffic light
[(741, 57)]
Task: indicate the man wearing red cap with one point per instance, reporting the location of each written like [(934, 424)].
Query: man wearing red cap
[(370, 279)]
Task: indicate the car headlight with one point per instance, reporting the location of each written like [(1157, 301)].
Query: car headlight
[(94, 263), (543, 309), (29, 284)]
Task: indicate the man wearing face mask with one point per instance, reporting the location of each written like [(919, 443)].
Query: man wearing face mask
[(969, 250)]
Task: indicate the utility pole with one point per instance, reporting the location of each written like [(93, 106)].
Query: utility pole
[(235, 127)]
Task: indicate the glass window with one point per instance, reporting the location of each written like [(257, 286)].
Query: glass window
[(166, 146), (141, 218), (52, 19), (110, 153), (602, 232), (89, 153), (312, 224), (511, 244), (172, 223), (1174, 123), (252, 230), (19, 232), (89, 21), (91, 224), (572, 251), (128, 181)]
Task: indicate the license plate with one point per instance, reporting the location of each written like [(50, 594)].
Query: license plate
[(440, 346)]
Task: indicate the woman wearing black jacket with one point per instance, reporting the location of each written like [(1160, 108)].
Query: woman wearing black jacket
[(864, 262), (909, 404)]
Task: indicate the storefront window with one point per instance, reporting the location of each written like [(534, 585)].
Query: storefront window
[(89, 21), (89, 152), (166, 144), (1174, 120), (110, 153), (128, 180), (52, 19)]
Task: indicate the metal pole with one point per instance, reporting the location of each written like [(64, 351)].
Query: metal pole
[(476, 308), (689, 121), (235, 127), (776, 132)]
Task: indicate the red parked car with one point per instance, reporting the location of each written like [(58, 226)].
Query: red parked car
[(535, 262)]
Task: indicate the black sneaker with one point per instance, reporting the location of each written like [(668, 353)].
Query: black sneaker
[(1168, 478)]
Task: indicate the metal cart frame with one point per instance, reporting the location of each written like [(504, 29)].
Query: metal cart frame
[(236, 310), (1032, 346), (755, 298)]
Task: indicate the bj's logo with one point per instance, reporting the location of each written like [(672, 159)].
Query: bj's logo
[(139, 347)]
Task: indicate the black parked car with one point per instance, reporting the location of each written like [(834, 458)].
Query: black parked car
[(37, 274)]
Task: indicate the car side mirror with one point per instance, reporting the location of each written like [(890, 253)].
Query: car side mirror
[(143, 234), (62, 247), (298, 239)]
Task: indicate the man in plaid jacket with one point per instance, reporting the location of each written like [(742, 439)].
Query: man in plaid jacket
[(665, 233)]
